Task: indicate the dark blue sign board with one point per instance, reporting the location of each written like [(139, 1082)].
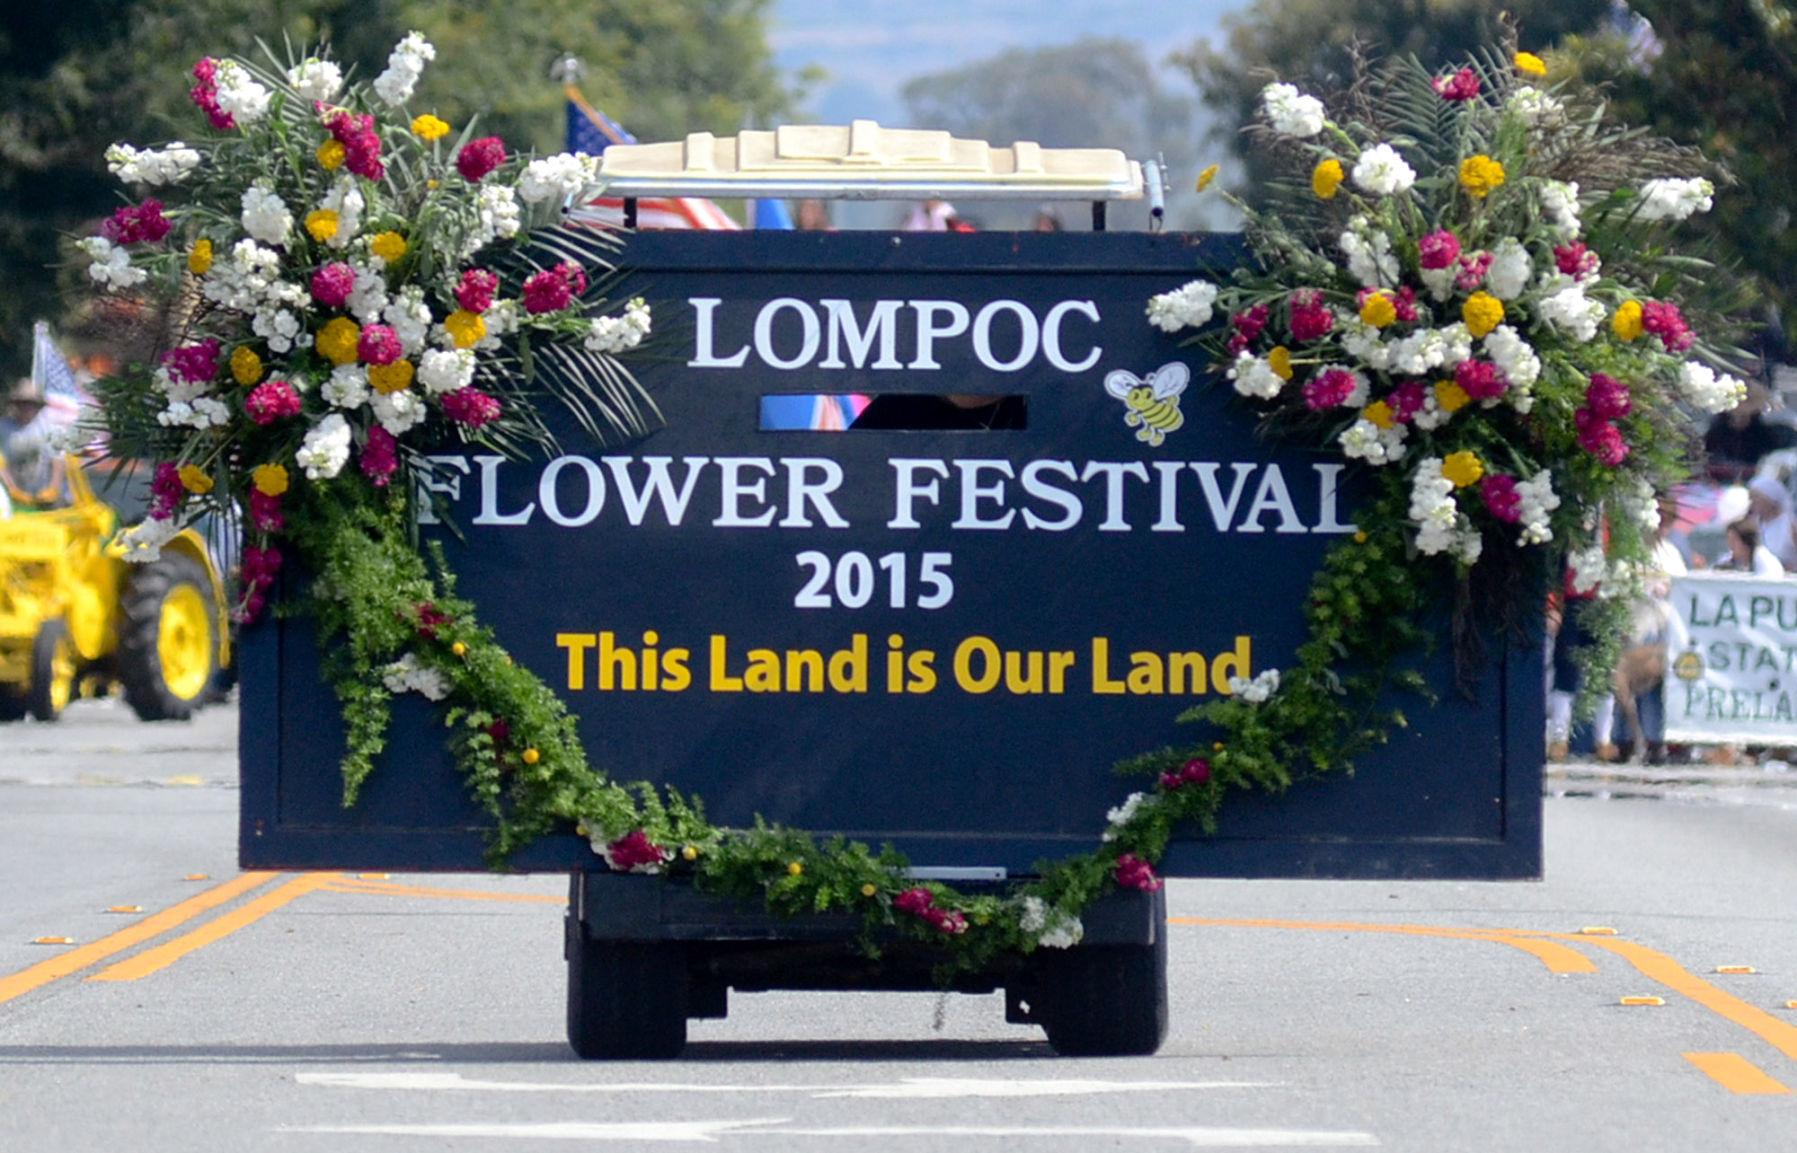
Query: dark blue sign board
[(942, 639)]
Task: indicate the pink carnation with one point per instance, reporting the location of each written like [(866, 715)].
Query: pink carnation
[(137, 224), (265, 512), (1461, 86), (470, 406), (1311, 318), (193, 363), (1501, 498), (1600, 438), (1405, 302), (914, 901), (1134, 873), (1473, 267), (270, 401), (1663, 319), (1439, 249), (1482, 380), (1576, 260), (361, 144), (1407, 400), (205, 94), (1194, 772), (479, 157), (261, 564), (166, 491), (632, 850), (380, 456), (1247, 325), (548, 291), (379, 344), (1607, 397), (1329, 388), (946, 921), (332, 284), (475, 290)]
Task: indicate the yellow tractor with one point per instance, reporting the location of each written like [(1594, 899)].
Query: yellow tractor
[(75, 616)]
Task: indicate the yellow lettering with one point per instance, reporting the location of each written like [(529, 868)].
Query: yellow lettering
[(848, 668), (577, 645), (990, 667), (721, 681), (1058, 664), (763, 673), (1235, 663), (923, 672), (675, 676), (1147, 677), (1186, 672), (1101, 674), (617, 665), (810, 662)]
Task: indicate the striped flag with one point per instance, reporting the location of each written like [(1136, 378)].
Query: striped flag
[(50, 371), (592, 132)]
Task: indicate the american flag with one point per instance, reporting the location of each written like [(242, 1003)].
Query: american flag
[(592, 132), (50, 371)]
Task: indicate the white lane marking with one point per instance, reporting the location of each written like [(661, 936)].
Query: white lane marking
[(909, 1088), (709, 1131), (706, 1131)]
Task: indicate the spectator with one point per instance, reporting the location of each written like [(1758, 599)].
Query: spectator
[(930, 216), (813, 216), (1770, 503), (1737, 439), (28, 468), (1048, 220), (1746, 553)]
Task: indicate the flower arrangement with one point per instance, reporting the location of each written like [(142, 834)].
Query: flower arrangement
[(1501, 347)]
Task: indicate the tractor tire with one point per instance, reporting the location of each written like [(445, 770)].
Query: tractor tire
[(53, 668), (1106, 1000), (168, 638), (627, 1000)]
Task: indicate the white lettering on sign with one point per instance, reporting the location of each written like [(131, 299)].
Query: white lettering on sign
[(789, 334)]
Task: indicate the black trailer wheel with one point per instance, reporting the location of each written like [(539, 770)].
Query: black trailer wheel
[(1103, 1000), (168, 640), (53, 668), (626, 999)]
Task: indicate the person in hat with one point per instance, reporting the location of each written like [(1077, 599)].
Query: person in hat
[(28, 467), (1770, 503)]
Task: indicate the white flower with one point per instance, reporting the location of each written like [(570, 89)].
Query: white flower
[(558, 177), (1432, 509), (1640, 505), (368, 299), (326, 448), (1382, 172), (1588, 568), (1560, 203), (142, 543), (614, 334), (347, 387), (1053, 928), (1254, 376), (111, 267), (405, 64), (1535, 108), (1570, 311), (1361, 341), (1440, 281), (1370, 258), (497, 217), (266, 216), (1427, 348), (399, 412), (501, 320), (1512, 354), (1538, 502), (410, 318), (315, 79), (442, 370), (407, 675), (1672, 199), (1707, 389), (239, 94), (1291, 112), (1510, 269), (154, 166), (1364, 440), (1188, 306), (345, 199), (1255, 691), (200, 412), (277, 326), (1125, 813)]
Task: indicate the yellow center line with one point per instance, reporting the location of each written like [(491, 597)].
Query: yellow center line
[(75, 960), (399, 890), (1657, 966), (162, 956), (1737, 1074), (1557, 958)]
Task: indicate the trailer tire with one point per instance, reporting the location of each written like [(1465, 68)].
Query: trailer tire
[(1104, 1000), (54, 664), (626, 999), (168, 644)]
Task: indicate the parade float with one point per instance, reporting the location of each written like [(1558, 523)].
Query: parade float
[(1246, 581)]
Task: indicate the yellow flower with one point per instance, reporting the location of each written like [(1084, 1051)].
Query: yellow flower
[(432, 183), (1280, 361), (1463, 468), (330, 155), (428, 127), (1326, 178), (1482, 313), (1380, 414), (1205, 177), (1530, 64), (869, 889), (195, 480), (1626, 324), (794, 868), (1480, 175), (388, 379), (269, 479), (1450, 397), (337, 340), (199, 258), (466, 328), (690, 853), (322, 224), (246, 366), (531, 756), (389, 246), (459, 649), (1379, 310), (1360, 537)]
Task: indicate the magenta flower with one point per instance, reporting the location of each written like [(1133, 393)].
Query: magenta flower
[(946, 921), (631, 850), (1311, 318), (1407, 400), (270, 401), (260, 564), (1247, 325), (1330, 388), (1576, 261), (1473, 267), (1607, 397), (1461, 86), (1501, 498), (1481, 379), (205, 94), (137, 224), (166, 491), (379, 344), (475, 290), (1439, 249), (914, 901), (1133, 872), (1600, 438), (361, 144), (193, 363), (1194, 772), (1404, 300), (479, 157), (1663, 319), (547, 291), (265, 512), (332, 284), (471, 407), (380, 456)]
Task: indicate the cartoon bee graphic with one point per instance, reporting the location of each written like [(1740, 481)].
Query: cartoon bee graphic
[(1151, 406)]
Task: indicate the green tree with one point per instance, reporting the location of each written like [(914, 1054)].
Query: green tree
[(78, 75)]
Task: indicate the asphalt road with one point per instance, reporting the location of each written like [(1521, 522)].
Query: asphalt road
[(324, 1013)]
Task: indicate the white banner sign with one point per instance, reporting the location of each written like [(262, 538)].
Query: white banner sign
[(1731, 660)]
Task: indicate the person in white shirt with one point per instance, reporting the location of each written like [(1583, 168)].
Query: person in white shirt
[(1746, 553)]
